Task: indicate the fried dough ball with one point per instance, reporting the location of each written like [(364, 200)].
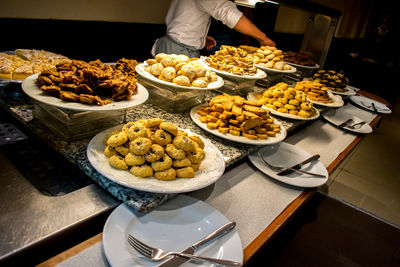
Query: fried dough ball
[(181, 80), (168, 73), (156, 69)]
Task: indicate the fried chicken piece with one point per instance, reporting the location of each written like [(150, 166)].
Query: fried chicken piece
[(68, 87), (43, 80), (51, 90), (93, 100), (69, 96), (83, 89)]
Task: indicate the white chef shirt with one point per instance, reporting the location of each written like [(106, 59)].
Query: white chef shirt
[(188, 21)]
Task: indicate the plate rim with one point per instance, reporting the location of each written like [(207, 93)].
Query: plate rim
[(233, 237), (289, 180), (148, 76), (98, 138), (365, 126), (28, 85), (259, 75), (286, 115), (237, 139), (371, 100)]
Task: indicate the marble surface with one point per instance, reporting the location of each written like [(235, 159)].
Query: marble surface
[(21, 107)]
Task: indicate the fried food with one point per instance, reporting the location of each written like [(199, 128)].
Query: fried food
[(88, 83), (180, 155), (237, 116), (284, 99), (315, 91)]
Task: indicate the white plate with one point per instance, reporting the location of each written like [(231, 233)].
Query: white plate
[(275, 71), (284, 154), (348, 92), (240, 139), (32, 90), (337, 101), (338, 116), (251, 96), (366, 103), (173, 226), (140, 69), (259, 75), (211, 169), (316, 66)]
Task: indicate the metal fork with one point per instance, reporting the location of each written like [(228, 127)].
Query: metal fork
[(280, 168), (157, 254), (356, 125)]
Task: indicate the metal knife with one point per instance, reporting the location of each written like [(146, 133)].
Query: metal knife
[(177, 261), (298, 165), (343, 124)]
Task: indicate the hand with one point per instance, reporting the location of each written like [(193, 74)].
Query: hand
[(267, 41), (210, 42)]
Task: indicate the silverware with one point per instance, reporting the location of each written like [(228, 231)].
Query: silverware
[(281, 168), (356, 125), (157, 254), (298, 165), (374, 107), (345, 123), (177, 261)]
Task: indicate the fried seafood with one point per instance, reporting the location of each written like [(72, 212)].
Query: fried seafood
[(79, 81)]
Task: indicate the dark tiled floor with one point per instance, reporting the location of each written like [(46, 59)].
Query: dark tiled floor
[(327, 232)]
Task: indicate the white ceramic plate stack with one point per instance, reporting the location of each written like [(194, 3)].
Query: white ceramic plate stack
[(173, 226), (284, 154)]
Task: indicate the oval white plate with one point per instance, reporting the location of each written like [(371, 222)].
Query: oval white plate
[(240, 139), (284, 154), (316, 66), (366, 103), (337, 101), (348, 92), (32, 90), (251, 96), (338, 116), (211, 169), (259, 75), (140, 69), (275, 71), (173, 226)]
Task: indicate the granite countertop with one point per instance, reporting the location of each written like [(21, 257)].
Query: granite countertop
[(13, 99)]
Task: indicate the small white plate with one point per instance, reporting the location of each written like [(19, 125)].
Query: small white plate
[(349, 91), (251, 96), (275, 71), (337, 101), (240, 139), (338, 116), (32, 90), (140, 69), (366, 103), (259, 75), (284, 154), (173, 226), (211, 169), (316, 66)]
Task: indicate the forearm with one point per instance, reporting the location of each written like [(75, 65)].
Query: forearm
[(245, 26)]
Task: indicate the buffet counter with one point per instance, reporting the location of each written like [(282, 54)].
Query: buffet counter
[(259, 205)]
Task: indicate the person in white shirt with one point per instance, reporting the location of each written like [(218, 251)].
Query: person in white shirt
[(188, 22)]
